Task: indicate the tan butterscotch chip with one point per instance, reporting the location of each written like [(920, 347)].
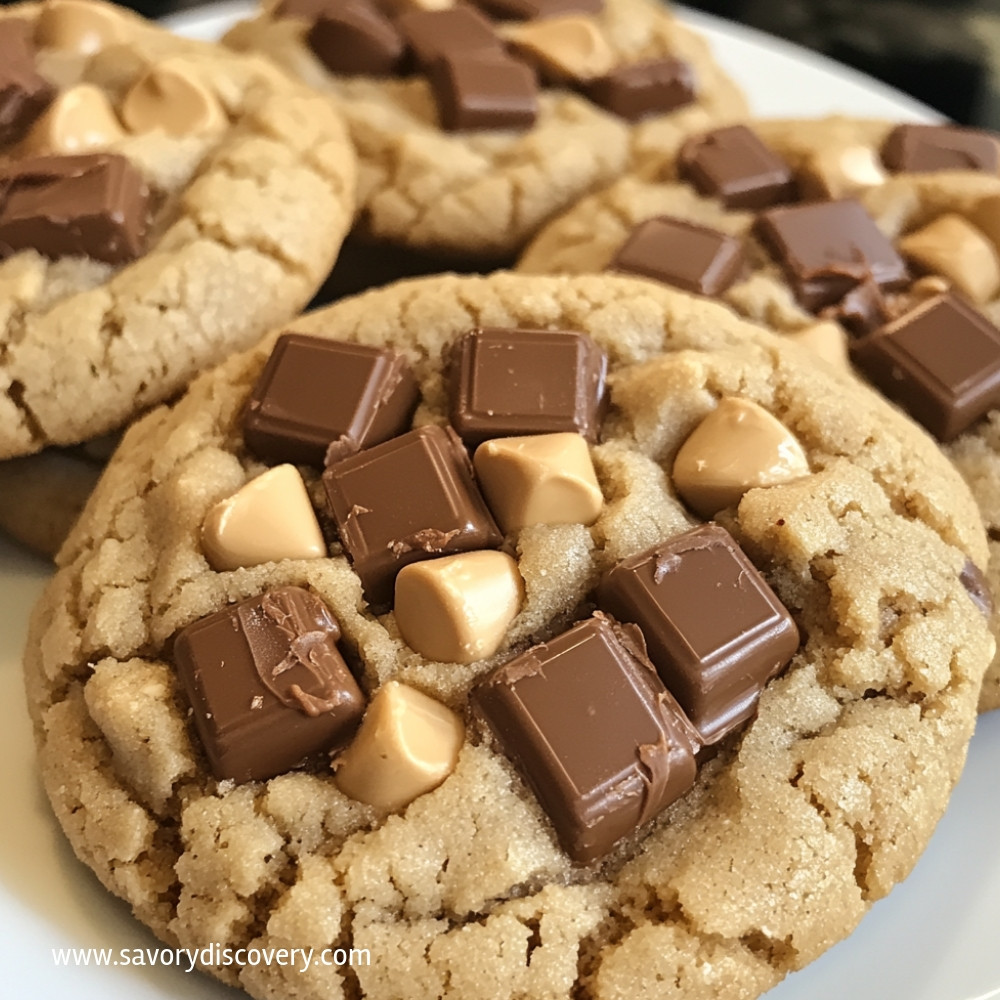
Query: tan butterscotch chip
[(408, 744), (953, 247), (79, 26), (738, 446), (539, 479), (457, 609), (79, 120), (826, 339), (269, 519), (841, 173), (170, 97), (570, 47)]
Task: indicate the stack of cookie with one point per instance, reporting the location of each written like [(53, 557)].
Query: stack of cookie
[(537, 634)]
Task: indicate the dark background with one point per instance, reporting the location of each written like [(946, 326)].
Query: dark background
[(946, 54)]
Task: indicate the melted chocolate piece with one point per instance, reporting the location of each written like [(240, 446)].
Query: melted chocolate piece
[(24, 93), (267, 684), (683, 254), (922, 148), (715, 630), (483, 90), (733, 165), (320, 400), (862, 309), (456, 31), (355, 38), (410, 498), (503, 383), (828, 247), (601, 742), (91, 205), (940, 362), (977, 587), (640, 89)]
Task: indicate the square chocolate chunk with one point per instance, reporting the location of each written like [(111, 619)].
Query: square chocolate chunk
[(433, 34), (602, 744), (24, 93), (267, 684), (940, 362), (483, 90), (410, 498), (509, 382), (637, 90), (714, 629), (321, 399), (683, 254), (733, 165), (92, 205), (828, 247), (925, 148)]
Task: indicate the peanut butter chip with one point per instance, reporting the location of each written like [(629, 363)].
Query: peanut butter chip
[(79, 120), (170, 97), (408, 744), (78, 26), (568, 47), (951, 246), (457, 609), (827, 340), (269, 519), (842, 173), (736, 447), (540, 479)]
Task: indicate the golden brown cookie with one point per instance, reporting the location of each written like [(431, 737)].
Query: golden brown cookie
[(794, 822)]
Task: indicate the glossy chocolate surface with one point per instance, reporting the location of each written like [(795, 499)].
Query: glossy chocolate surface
[(460, 31), (714, 629), (267, 684), (684, 254), (92, 205), (483, 90), (320, 400), (24, 93), (940, 362), (600, 741), (410, 498), (827, 248), (505, 382), (356, 38), (637, 90), (922, 148)]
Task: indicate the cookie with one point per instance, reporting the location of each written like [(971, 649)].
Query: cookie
[(164, 202), (678, 854), (463, 155), (927, 230)]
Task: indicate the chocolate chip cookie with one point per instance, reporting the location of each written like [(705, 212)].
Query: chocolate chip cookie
[(407, 632)]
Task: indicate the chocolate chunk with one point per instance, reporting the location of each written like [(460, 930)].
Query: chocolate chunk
[(828, 247), (320, 400), (304, 10), (862, 309), (644, 88), (267, 684), (458, 31), (409, 498), (695, 258), (90, 205), (355, 38), (483, 90), (715, 630), (733, 165), (977, 587), (24, 94), (921, 148), (940, 362), (602, 744), (529, 10), (503, 383)]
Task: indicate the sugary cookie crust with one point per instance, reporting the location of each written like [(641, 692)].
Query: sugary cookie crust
[(486, 194), (586, 238), (790, 833), (252, 224)]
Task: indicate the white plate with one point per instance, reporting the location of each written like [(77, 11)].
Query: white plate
[(934, 938)]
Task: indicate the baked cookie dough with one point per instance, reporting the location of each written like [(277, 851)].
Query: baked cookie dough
[(942, 230), (163, 203), (793, 824), (477, 194)]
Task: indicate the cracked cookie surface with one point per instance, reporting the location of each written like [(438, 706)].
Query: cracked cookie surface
[(587, 237), (249, 221), (791, 830)]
